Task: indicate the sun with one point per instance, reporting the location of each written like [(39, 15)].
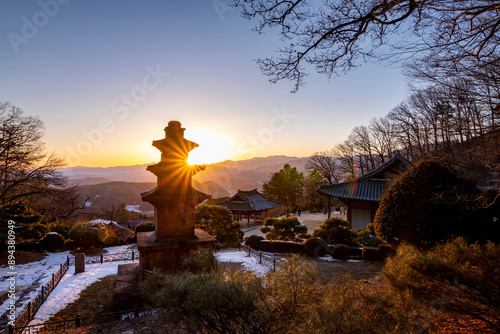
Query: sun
[(213, 147)]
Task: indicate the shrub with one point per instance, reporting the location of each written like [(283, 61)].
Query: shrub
[(372, 254), (315, 247), (218, 221), (52, 242), (341, 252), (111, 240), (88, 235), (430, 204), (60, 226), (253, 240), (455, 276), (365, 237), (385, 250), (336, 231), (34, 231), (280, 247), (216, 301), (145, 227), (287, 228), (356, 252), (29, 245)]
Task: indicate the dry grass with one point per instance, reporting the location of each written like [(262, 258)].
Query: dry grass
[(97, 298)]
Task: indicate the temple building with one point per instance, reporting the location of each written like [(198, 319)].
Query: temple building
[(362, 195), (247, 204)]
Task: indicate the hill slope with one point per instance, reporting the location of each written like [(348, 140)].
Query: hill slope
[(219, 179)]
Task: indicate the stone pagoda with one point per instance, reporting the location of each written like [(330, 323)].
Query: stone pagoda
[(174, 200)]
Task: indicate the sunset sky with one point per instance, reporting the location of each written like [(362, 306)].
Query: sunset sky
[(107, 76)]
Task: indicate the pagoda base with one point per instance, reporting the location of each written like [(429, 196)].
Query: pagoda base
[(168, 253)]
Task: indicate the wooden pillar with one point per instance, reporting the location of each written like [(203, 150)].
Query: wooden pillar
[(329, 207)]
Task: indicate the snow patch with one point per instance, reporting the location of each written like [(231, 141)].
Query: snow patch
[(249, 263), (71, 285), (133, 208), (330, 259)]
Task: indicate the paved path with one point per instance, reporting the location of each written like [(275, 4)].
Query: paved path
[(311, 220)]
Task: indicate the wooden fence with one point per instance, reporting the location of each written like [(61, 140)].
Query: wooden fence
[(20, 325), (59, 326), (34, 305), (101, 258), (269, 261)]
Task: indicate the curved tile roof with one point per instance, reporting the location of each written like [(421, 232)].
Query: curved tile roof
[(367, 190), (250, 200), (369, 186)]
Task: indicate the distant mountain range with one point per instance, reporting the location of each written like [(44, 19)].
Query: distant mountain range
[(114, 185)]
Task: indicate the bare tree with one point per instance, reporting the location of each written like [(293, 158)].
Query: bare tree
[(336, 35), (347, 157), (26, 171), (383, 137), (326, 164)]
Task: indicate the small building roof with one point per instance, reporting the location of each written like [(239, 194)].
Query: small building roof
[(366, 190), (370, 186), (250, 200)]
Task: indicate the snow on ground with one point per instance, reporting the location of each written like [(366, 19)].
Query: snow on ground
[(133, 208), (249, 263), (41, 273), (330, 259), (27, 274), (71, 285)]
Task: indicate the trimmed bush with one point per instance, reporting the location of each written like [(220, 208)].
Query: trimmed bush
[(288, 228), (431, 204), (372, 254), (386, 250), (60, 226), (341, 252), (365, 237), (336, 231), (52, 242), (111, 240), (145, 227), (280, 247), (218, 221), (315, 246), (253, 240), (88, 235), (356, 252)]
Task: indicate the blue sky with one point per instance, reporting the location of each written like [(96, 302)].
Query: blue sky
[(106, 77)]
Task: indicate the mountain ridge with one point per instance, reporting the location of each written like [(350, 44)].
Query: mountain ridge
[(219, 179)]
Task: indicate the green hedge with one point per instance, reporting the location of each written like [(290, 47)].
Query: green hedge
[(279, 247)]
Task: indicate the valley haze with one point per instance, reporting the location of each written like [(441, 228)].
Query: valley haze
[(218, 179)]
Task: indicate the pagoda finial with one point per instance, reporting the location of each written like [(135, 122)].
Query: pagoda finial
[(174, 130)]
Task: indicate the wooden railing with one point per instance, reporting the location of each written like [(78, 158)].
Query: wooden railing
[(59, 326), (34, 305), (101, 258)]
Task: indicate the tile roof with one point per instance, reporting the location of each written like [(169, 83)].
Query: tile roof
[(367, 190), (390, 164), (250, 200), (369, 186)]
